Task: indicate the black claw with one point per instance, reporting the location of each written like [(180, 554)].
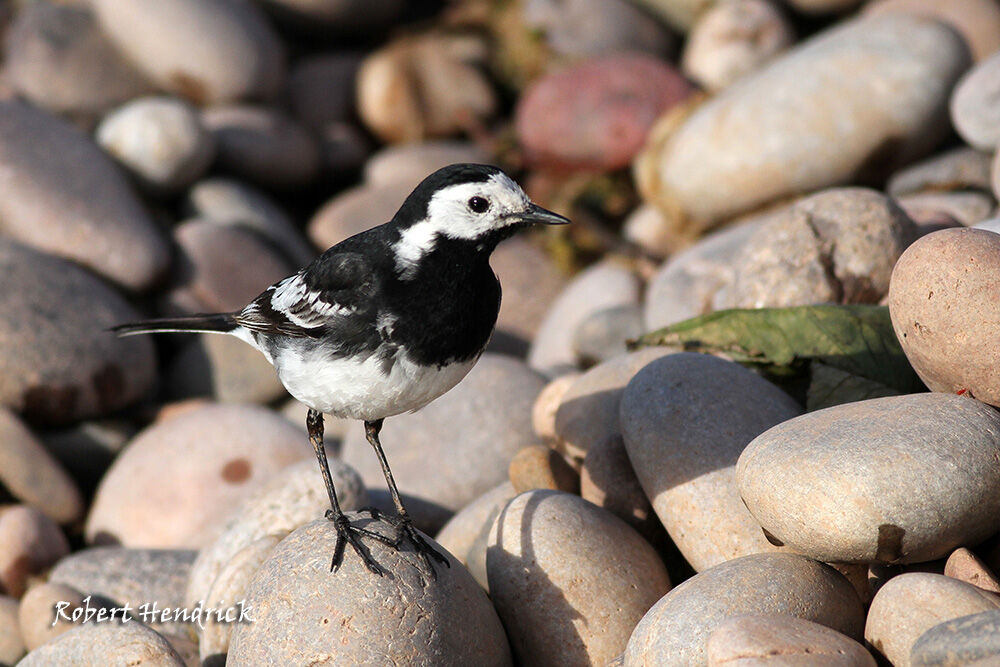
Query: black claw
[(348, 534)]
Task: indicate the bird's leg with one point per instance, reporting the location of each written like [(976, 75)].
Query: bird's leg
[(346, 533), (404, 523)]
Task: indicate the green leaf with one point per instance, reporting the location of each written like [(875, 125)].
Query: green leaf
[(856, 340)]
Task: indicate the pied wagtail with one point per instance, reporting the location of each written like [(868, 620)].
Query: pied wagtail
[(386, 321)]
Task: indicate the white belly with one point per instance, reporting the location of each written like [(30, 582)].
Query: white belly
[(369, 389)]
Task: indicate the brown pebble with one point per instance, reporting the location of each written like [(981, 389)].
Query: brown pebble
[(540, 467), (965, 566)]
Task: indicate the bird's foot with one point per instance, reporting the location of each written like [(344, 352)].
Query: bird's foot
[(347, 533), (405, 531)]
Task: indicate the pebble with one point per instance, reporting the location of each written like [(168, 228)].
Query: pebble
[(58, 58), (646, 227), (230, 585), (609, 481), (30, 543), (587, 414), (977, 21), (685, 419), (321, 88), (543, 412), (405, 165), (965, 566), (221, 268), (960, 168), (232, 202), (972, 108), (303, 613), (740, 150), (106, 644), (223, 368), (599, 287), (64, 196), (292, 498), (596, 114), (59, 364), (782, 640), (540, 467), (32, 476), (940, 315), (11, 643), (836, 246), (38, 615), (352, 211), (263, 145), (605, 334), (426, 86), (583, 28), (732, 39), (122, 576), (967, 208), (160, 140), (209, 51), (473, 521), (962, 641), (676, 629), (218, 456), (910, 604), (569, 580), (849, 475), (489, 413)]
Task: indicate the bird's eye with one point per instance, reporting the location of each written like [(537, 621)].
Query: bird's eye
[(479, 204)]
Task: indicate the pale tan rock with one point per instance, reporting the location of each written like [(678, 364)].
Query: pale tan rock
[(608, 480), (40, 615), (540, 467), (968, 208), (965, 566), (96, 644), (11, 643), (472, 522), (978, 21), (543, 413), (30, 543), (354, 210), (404, 165), (910, 604), (777, 640), (960, 168)]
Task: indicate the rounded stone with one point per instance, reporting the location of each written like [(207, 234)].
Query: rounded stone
[(121, 576), (596, 115), (263, 145), (569, 580), (11, 644), (685, 419), (218, 456), (978, 21), (964, 641), (780, 640), (836, 246), (294, 497), (972, 111), (609, 481), (60, 364), (583, 28), (910, 604), (960, 168), (965, 566), (599, 287), (160, 140), (739, 150), (543, 412), (63, 195), (31, 475), (224, 368), (676, 629), (230, 586), (404, 165), (106, 644), (221, 268), (540, 467), (352, 211), (29, 544), (230, 202), (458, 447), (942, 312), (732, 39), (57, 57), (303, 612), (472, 522), (848, 476), (209, 51), (646, 227), (321, 89), (39, 616), (967, 208), (605, 334)]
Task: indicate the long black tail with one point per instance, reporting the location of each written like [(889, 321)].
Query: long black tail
[(216, 322)]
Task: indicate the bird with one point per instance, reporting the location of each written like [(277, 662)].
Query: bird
[(384, 322)]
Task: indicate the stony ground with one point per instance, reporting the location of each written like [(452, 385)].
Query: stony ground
[(598, 504)]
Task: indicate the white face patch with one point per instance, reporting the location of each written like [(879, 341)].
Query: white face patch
[(448, 214)]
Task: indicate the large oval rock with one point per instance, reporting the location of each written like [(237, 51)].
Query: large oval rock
[(224, 368), (58, 362), (569, 580), (778, 640), (685, 420), (823, 114), (978, 21), (209, 51), (893, 480), (676, 629), (910, 604), (304, 613), (217, 456), (63, 195), (972, 110), (964, 640), (942, 313), (458, 447), (106, 644)]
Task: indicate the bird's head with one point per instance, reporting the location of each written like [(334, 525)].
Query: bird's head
[(469, 202)]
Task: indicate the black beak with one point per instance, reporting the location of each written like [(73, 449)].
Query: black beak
[(537, 214)]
